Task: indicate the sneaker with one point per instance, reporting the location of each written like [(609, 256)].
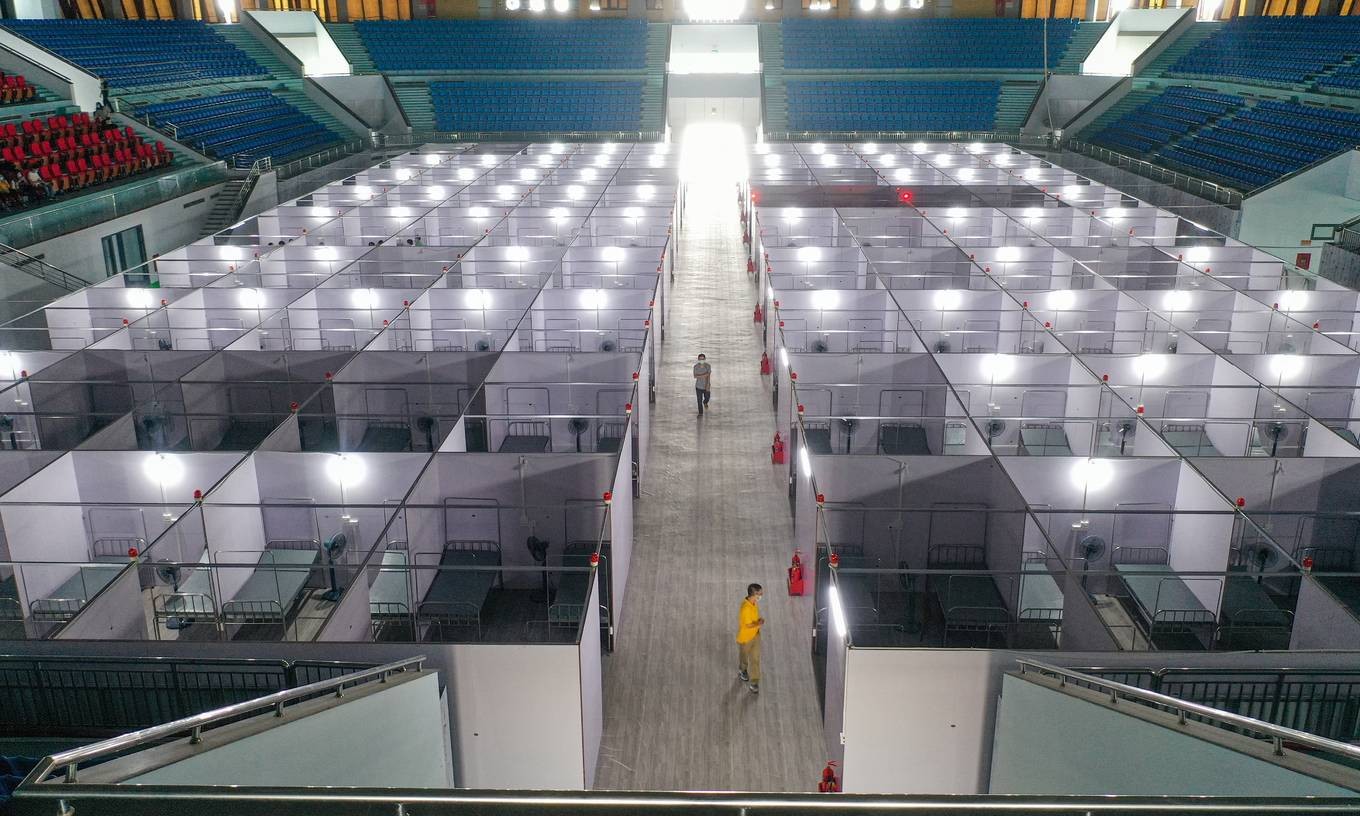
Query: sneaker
[(743, 677), (755, 689)]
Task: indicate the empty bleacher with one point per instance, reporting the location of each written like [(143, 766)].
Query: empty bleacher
[(1283, 51), (1228, 138), (942, 44), (505, 45), (535, 106), (837, 105), (142, 53), (242, 126)]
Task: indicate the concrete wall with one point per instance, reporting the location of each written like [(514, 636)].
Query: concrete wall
[(166, 226), (1064, 742), (1280, 218), (401, 746)]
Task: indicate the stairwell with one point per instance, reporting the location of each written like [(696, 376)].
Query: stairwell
[(349, 42), (1012, 106), (776, 114), (1130, 101), (243, 39), (226, 208), (293, 94), (414, 98), (1079, 47), (654, 83), (1193, 36)]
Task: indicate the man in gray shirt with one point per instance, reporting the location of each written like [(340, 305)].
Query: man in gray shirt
[(703, 372)]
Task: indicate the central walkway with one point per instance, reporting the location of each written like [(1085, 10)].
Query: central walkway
[(714, 516)]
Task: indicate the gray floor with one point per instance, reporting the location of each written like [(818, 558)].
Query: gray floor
[(714, 516)]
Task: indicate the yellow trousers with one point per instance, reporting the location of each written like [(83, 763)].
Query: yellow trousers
[(750, 658)]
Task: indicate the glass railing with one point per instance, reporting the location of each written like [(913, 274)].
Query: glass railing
[(29, 228)]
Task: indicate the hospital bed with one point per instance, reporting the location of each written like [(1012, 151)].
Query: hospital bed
[(1345, 589), (609, 435), (111, 557), (527, 436), (902, 439), (277, 585), (386, 436), (191, 599), (856, 590), (818, 436), (389, 596), (1044, 439), (11, 612), (958, 542), (457, 596), (1041, 599), (1171, 615), (1250, 619), (1188, 439), (573, 592)]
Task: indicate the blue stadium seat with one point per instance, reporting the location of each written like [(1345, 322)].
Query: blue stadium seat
[(948, 44), (1273, 50), (244, 125), (505, 45), (844, 105), (1229, 139), (525, 106), (142, 53)]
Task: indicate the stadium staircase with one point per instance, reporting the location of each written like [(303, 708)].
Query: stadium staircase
[(654, 87), (1193, 36), (414, 98), (226, 208), (1013, 105), (772, 67), (1079, 47), (242, 38), (347, 40)]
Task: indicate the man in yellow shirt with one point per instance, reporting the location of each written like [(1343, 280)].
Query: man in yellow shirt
[(748, 638)]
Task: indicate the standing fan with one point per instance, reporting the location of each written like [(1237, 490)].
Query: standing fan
[(334, 547), (170, 574), (578, 427), (1257, 556), (850, 424), (1091, 548), (483, 345), (607, 345), (942, 346), (425, 425), (819, 346), (1126, 429), (7, 428), (538, 550), (995, 428)]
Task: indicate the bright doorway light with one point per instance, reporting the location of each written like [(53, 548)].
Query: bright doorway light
[(714, 11), (713, 153)]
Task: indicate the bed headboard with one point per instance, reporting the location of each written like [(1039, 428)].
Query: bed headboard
[(1140, 555), (527, 427), (489, 547), (115, 548), (1335, 559), (292, 544)]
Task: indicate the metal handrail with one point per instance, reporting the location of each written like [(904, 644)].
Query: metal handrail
[(45, 271), (195, 725), (1213, 191), (1181, 708)]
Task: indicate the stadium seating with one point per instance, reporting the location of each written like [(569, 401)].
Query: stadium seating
[(1229, 139), (892, 105), (944, 44), (505, 45), (524, 106), (14, 89), (141, 53), (1289, 51), (242, 125), (70, 153)]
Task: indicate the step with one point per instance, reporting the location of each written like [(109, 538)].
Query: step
[(243, 39)]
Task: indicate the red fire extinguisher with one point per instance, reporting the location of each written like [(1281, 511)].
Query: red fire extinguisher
[(829, 783), (777, 450), (760, 314), (764, 363), (796, 574), (750, 267)]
